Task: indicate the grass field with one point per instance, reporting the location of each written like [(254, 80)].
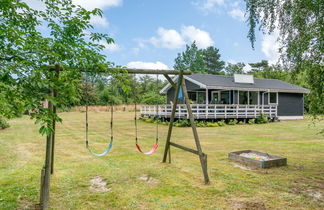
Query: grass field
[(179, 185)]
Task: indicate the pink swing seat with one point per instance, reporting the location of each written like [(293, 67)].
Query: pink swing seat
[(154, 148)]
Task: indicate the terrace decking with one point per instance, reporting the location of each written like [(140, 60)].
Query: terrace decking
[(210, 111)]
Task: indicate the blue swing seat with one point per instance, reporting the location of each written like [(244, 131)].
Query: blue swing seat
[(101, 154)]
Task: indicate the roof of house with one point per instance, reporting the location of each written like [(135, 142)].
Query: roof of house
[(227, 82)]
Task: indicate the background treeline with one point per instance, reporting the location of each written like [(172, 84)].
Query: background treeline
[(106, 90)]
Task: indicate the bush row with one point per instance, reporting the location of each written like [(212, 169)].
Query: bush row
[(186, 123)]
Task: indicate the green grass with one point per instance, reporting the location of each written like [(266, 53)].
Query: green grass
[(180, 184)]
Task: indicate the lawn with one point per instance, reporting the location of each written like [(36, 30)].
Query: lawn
[(178, 185)]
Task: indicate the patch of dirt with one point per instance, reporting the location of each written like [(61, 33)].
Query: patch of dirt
[(315, 193), (247, 205), (25, 204), (149, 179), (242, 167), (99, 185)]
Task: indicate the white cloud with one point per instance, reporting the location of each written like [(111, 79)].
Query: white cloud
[(147, 65), (235, 4), (168, 38), (270, 47), (35, 4), (99, 21), (172, 39), (101, 4), (210, 4), (237, 14), (112, 47), (202, 38), (87, 4)]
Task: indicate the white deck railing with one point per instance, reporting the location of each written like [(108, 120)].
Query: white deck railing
[(210, 111)]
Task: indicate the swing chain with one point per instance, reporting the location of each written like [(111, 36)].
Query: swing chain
[(157, 112)]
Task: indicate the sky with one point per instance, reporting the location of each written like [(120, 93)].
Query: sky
[(150, 33)]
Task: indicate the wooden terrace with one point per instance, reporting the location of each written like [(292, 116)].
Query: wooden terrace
[(210, 111)]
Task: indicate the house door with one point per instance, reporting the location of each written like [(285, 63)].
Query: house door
[(215, 97)]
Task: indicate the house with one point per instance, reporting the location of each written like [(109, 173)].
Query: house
[(233, 97)]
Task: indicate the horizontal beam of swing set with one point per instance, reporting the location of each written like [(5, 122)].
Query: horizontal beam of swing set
[(156, 71), (185, 148), (135, 71)]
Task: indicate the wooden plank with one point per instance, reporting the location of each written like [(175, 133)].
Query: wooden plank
[(195, 133), (170, 81), (155, 71), (184, 148), (174, 107)]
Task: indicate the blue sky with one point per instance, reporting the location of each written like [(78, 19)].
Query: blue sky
[(150, 33)]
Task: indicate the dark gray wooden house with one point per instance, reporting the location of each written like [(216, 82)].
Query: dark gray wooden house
[(230, 97)]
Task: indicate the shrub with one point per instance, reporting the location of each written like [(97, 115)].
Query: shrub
[(263, 118), (211, 124), (201, 124), (241, 122), (232, 122), (184, 123), (176, 124), (3, 123), (221, 123), (251, 121)]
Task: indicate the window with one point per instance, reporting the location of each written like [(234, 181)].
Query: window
[(225, 97), (215, 98), (253, 97), (273, 98), (243, 97), (221, 97), (192, 96), (201, 98)]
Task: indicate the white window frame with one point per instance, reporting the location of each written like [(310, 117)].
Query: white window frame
[(277, 98), (199, 91), (219, 94), (248, 97), (258, 103)]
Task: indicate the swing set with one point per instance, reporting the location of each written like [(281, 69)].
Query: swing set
[(110, 144), (180, 91)]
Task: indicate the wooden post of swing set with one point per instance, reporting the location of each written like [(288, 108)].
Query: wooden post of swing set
[(202, 156)]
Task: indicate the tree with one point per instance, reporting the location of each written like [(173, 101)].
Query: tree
[(234, 68), (259, 66), (191, 59), (32, 64), (212, 60), (300, 25), (200, 60)]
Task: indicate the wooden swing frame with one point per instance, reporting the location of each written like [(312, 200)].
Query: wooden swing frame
[(48, 167)]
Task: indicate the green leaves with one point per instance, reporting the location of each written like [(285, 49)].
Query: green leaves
[(34, 63), (300, 25), (200, 60)]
